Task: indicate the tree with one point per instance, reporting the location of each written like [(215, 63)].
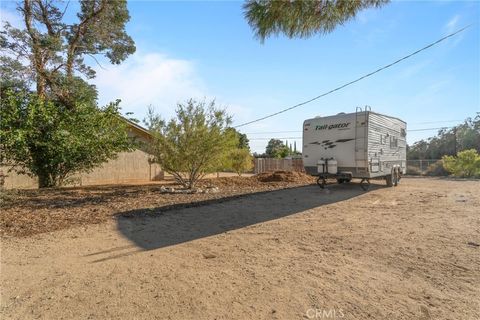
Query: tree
[(274, 147), (193, 143), (45, 139), (241, 160), (300, 18), (60, 130), (55, 50), (466, 164), (243, 142), (277, 149), (448, 141)]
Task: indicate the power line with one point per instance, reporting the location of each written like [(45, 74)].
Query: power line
[(354, 81), (282, 138), (298, 131), (426, 129), (442, 121), (274, 132), (279, 138), (293, 131)]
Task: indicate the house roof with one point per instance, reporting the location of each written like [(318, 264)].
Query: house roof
[(135, 127)]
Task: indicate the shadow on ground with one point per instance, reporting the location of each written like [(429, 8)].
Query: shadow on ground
[(156, 228)]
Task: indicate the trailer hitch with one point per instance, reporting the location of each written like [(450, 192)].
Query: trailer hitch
[(322, 182), (365, 184)]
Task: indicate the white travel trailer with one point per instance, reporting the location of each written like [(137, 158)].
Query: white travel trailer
[(364, 145)]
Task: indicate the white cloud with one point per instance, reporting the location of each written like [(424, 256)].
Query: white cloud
[(149, 79), (452, 24)]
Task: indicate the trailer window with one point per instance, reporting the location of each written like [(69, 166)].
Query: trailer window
[(393, 142), (403, 132), (383, 139)]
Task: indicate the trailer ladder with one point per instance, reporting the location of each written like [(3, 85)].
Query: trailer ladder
[(361, 141)]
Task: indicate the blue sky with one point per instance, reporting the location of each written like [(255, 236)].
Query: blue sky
[(207, 50)]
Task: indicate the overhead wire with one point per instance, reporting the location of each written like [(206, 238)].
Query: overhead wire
[(263, 138), (356, 80)]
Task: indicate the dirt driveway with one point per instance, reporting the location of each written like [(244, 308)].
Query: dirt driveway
[(410, 252)]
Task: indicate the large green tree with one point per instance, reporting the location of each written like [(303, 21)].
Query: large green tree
[(44, 139), (302, 18), (51, 125), (53, 51), (277, 149)]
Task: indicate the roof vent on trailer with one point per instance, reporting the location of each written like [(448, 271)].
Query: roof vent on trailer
[(340, 113)]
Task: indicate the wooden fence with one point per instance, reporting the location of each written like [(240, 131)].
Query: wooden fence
[(272, 164)]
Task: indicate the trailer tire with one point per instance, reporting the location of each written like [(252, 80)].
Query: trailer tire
[(389, 180), (395, 177)]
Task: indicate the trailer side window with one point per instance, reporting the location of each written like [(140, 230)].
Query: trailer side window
[(393, 142), (403, 132), (383, 139)]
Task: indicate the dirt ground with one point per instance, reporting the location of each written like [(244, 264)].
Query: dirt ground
[(410, 252)]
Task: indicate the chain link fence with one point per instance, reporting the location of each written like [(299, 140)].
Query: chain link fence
[(414, 167), (420, 167)]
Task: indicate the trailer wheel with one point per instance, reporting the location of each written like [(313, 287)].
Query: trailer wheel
[(395, 177), (321, 182), (389, 180), (340, 181), (365, 184)]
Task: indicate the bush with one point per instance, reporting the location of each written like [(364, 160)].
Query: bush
[(436, 169), (48, 140), (196, 142), (465, 165), (240, 161)]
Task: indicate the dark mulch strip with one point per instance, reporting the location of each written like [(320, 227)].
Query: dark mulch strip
[(28, 212)]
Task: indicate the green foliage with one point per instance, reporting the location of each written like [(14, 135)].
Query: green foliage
[(300, 18), (56, 49), (243, 142), (194, 143), (277, 149), (241, 161), (466, 164), (48, 140), (13, 74), (447, 142)]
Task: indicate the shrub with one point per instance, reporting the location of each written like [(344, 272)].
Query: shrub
[(46, 139), (196, 142), (466, 164), (240, 161)]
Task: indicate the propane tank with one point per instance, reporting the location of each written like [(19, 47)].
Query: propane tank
[(332, 166), (321, 166)]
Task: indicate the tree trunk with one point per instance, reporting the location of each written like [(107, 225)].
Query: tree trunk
[(40, 86), (45, 180)]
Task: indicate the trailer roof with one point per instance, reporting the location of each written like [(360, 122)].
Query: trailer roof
[(344, 114)]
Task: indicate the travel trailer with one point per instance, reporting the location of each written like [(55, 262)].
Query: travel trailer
[(364, 145)]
